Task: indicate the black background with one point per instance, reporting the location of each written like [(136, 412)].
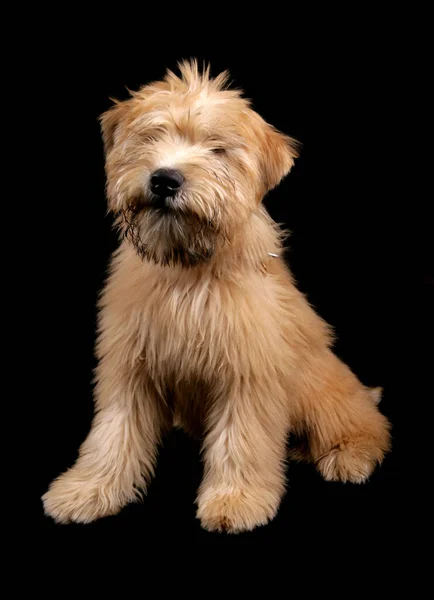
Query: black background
[(341, 93)]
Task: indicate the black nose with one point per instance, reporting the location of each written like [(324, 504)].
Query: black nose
[(166, 182)]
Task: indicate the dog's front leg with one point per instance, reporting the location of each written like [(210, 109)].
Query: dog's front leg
[(118, 456), (115, 460), (244, 454)]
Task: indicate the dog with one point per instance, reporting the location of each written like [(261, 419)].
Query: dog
[(200, 323)]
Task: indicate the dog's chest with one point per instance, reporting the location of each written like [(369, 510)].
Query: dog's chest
[(182, 321), (197, 329)]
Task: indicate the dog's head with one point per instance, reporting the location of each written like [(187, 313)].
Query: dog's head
[(188, 161)]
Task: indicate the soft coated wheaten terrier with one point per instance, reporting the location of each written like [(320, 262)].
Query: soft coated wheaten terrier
[(200, 323)]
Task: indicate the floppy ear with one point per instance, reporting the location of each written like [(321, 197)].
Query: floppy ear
[(109, 122), (279, 152)]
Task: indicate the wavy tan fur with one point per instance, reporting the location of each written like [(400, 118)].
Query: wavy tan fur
[(201, 327)]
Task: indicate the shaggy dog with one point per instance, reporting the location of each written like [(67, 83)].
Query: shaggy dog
[(200, 323)]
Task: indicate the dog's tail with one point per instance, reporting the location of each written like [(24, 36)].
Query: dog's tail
[(376, 394)]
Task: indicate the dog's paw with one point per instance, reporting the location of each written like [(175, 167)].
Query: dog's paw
[(348, 461), (236, 511), (72, 498)]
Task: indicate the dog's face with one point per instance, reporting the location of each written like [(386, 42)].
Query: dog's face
[(187, 163)]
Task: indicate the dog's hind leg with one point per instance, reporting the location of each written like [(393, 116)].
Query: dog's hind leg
[(346, 435)]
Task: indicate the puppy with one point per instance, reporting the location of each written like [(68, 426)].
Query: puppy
[(200, 323)]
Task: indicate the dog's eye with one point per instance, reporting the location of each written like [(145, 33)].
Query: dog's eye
[(218, 150)]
